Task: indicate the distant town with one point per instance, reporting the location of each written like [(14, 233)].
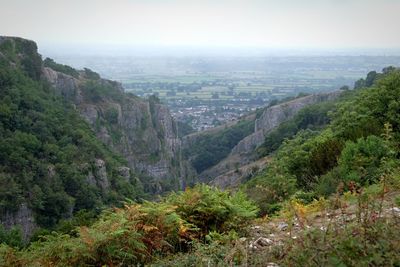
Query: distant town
[(207, 91)]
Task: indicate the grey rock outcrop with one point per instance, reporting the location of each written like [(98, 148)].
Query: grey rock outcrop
[(275, 115), (125, 172), (243, 153), (65, 85), (143, 131), (101, 174), (23, 217)]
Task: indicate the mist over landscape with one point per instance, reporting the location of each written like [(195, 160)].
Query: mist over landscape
[(199, 133)]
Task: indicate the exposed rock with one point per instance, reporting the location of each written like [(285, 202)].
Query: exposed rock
[(65, 85), (243, 153), (275, 115), (124, 172), (263, 241), (144, 131), (89, 113), (282, 226), (101, 174), (51, 171), (90, 179), (23, 217), (235, 177), (395, 210)]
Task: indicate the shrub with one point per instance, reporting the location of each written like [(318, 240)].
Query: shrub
[(361, 161), (210, 209), (48, 62), (12, 237), (139, 233)]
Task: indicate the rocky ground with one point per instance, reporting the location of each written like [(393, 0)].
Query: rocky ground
[(271, 234)]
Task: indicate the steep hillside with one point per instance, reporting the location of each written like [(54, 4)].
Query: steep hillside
[(71, 140), (51, 163), (207, 148), (355, 149), (229, 172), (327, 193), (143, 131)]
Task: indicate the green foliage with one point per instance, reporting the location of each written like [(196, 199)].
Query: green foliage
[(209, 149), (349, 149), (111, 115), (23, 54), (302, 159), (139, 234), (184, 129), (370, 239), (211, 209), (311, 117), (218, 250), (96, 90), (46, 150), (11, 237), (370, 109), (50, 63), (361, 161), (91, 75)]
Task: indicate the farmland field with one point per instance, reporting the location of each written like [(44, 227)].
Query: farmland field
[(206, 91)]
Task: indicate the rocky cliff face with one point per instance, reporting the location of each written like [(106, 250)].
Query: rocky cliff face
[(143, 131), (23, 217), (275, 115), (242, 154)]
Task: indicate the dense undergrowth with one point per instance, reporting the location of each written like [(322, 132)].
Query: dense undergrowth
[(141, 233), (350, 228), (358, 144)]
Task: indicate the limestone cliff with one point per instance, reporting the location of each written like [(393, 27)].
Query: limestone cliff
[(143, 131), (23, 217), (275, 115), (242, 155)]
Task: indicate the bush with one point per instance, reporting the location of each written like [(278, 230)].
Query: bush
[(12, 237), (138, 234), (48, 62), (210, 209), (361, 161)]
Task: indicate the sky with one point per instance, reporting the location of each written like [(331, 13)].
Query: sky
[(211, 23)]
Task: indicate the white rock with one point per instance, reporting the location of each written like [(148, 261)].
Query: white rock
[(262, 241), (395, 209), (282, 226)]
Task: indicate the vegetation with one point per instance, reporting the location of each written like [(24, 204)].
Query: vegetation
[(140, 233), (355, 148), (313, 117), (48, 152), (50, 63), (330, 162), (209, 149)]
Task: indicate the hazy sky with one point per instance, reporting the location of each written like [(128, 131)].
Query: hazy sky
[(263, 23)]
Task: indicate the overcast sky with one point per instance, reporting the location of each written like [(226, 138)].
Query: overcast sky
[(236, 23)]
